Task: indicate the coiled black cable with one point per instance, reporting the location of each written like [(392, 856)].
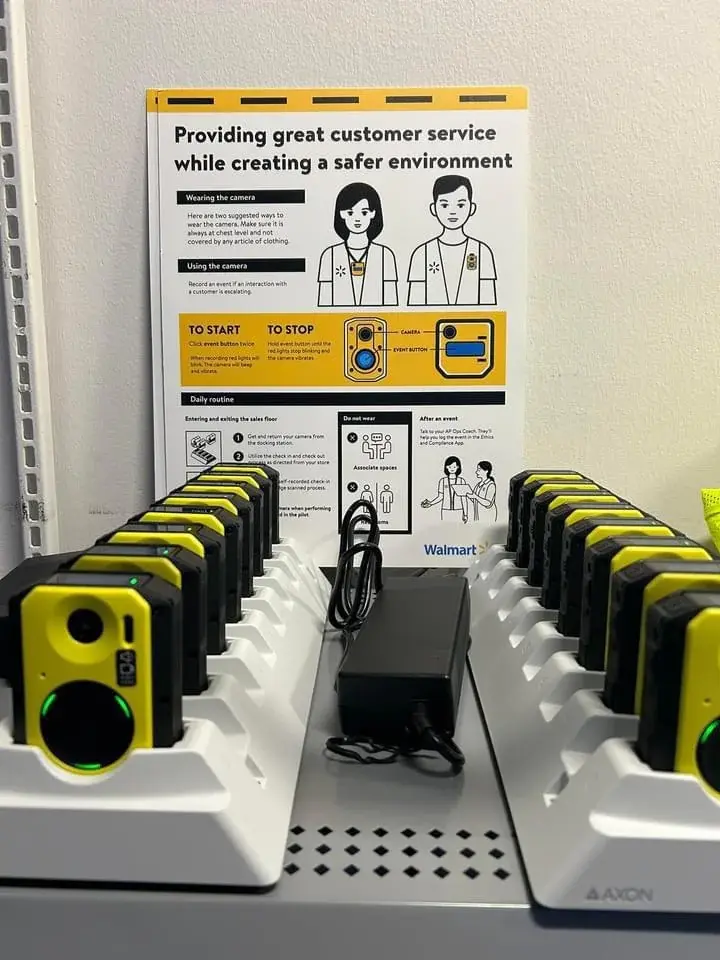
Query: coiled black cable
[(420, 737), (354, 590)]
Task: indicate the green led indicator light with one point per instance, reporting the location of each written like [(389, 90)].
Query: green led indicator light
[(166, 551), (88, 766), (49, 701), (123, 706), (709, 731), (133, 581)]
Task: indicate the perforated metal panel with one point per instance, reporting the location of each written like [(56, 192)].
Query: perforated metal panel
[(406, 860)]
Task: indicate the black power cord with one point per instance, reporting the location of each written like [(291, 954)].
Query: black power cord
[(421, 737), (351, 598), (354, 590)]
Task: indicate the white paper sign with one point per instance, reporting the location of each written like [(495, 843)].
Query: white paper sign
[(338, 289)]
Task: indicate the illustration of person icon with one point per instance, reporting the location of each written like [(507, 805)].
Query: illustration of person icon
[(386, 498), (366, 493), (452, 493), (368, 448), (452, 268), (358, 272), (376, 446), (483, 493), (384, 446)]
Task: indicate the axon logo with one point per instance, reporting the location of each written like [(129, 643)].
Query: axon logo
[(621, 895)]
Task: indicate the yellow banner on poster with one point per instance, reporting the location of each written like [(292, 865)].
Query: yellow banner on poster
[(347, 100), (419, 349)]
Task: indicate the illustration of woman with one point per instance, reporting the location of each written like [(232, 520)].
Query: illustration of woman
[(358, 272), (452, 493), (483, 493)]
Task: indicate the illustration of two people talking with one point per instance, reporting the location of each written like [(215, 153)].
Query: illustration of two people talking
[(461, 500), (451, 268)]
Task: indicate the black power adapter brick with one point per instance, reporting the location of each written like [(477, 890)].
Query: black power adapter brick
[(402, 674)]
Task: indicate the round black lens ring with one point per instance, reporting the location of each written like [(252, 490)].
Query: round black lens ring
[(86, 725), (85, 626)]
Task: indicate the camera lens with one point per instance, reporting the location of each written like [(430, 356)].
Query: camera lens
[(85, 626), (449, 332), (365, 334)]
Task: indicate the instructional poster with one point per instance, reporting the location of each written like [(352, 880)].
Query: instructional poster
[(338, 289)]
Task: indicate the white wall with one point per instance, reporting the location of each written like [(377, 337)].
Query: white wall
[(623, 352)]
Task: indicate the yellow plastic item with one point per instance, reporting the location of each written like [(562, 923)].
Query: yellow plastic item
[(711, 509)]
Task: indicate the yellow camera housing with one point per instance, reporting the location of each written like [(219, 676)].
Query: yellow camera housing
[(464, 349), (243, 545), (634, 587), (257, 489), (183, 569), (217, 519), (200, 540), (96, 668), (247, 490), (578, 535), (679, 726), (366, 349), (263, 473), (517, 482)]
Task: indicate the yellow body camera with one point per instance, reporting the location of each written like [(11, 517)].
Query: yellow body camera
[(96, 668), (516, 485), (182, 569), (247, 489), (668, 570), (663, 586), (201, 541), (264, 474), (679, 727)]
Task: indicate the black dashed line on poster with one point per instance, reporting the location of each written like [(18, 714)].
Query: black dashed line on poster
[(260, 101), (410, 98), (482, 98), (336, 99), (191, 101)]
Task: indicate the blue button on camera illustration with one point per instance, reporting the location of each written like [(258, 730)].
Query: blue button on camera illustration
[(365, 359), (465, 348), (470, 349), (365, 349)]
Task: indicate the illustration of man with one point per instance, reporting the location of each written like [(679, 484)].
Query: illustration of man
[(386, 498), (384, 445), (452, 268), (366, 494)]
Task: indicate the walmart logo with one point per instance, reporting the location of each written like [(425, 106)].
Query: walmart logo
[(449, 550)]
